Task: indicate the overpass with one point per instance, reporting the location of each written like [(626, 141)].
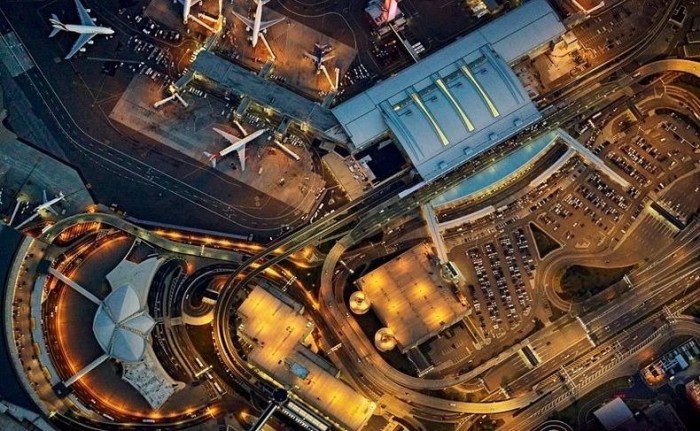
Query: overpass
[(434, 229), (669, 65), (380, 372), (595, 160)]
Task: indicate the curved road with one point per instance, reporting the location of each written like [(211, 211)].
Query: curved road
[(378, 370), (670, 65)]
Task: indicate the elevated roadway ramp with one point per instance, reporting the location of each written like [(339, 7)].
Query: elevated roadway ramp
[(434, 229), (587, 154), (388, 378), (669, 65), (193, 250)]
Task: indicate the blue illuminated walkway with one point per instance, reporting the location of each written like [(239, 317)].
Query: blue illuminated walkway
[(498, 171)]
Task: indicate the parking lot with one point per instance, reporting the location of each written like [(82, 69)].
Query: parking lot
[(612, 32), (651, 149), (586, 212), (501, 271), (653, 152), (579, 207)]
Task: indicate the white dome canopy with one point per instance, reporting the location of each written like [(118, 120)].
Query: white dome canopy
[(122, 325)]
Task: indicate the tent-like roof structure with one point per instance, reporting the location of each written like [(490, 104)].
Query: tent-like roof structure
[(122, 325), (138, 275)]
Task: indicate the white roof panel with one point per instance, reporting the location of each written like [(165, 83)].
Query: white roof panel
[(122, 325), (367, 127), (141, 324), (122, 303), (127, 346), (138, 275), (539, 31), (103, 327), (469, 99)]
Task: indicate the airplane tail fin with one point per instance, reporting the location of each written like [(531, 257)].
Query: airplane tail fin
[(57, 25), (212, 158)]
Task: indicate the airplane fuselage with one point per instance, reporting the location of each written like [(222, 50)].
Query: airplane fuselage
[(186, 12), (238, 145), (87, 29), (256, 23), (187, 7)]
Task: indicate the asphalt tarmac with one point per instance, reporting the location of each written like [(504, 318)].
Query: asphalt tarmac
[(141, 177)]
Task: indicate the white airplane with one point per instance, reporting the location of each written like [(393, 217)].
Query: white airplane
[(320, 55), (186, 7), (237, 145), (257, 25), (87, 29), (45, 206), (49, 203)]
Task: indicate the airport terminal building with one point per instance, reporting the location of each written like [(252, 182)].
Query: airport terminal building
[(458, 101)]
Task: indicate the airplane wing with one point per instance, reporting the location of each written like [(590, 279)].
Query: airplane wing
[(82, 40), (311, 56), (327, 57), (85, 18), (241, 156), (229, 137), (247, 21), (29, 219), (267, 24), (238, 144)]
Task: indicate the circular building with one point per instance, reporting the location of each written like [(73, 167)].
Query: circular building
[(122, 325), (359, 304), (384, 340)]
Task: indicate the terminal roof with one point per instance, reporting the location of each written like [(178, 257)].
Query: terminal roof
[(122, 325), (278, 330), (244, 82), (458, 101), (409, 298)]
